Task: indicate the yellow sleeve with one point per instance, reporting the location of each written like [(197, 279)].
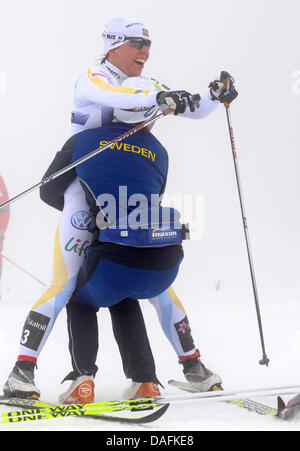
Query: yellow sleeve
[(95, 88)]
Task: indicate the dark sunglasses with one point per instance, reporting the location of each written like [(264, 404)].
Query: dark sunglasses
[(139, 43)]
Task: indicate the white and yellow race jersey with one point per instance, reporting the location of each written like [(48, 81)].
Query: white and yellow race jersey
[(98, 91)]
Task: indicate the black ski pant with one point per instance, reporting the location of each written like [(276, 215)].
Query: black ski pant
[(129, 331)]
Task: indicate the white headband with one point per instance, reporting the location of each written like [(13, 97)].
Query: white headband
[(118, 30)]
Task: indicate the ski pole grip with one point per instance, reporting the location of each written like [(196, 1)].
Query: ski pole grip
[(224, 83), (168, 111), (226, 104)]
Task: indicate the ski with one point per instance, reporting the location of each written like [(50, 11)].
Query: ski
[(36, 403), (237, 398), (289, 411), (226, 394), (138, 420), (100, 413), (36, 409), (256, 407)]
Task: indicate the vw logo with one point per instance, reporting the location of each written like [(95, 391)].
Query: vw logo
[(81, 220)]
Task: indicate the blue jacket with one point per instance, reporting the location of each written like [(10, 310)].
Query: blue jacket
[(139, 162), (137, 165)]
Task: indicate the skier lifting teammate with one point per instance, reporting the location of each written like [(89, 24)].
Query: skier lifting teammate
[(97, 92), (130, 258)]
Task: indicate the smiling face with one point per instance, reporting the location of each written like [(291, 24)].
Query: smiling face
[(128, 59)]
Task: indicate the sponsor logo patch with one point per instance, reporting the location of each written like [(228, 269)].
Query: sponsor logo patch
[(77, 246), (85, 390), (34, 330), (81, 220), (184, 334), (98, 74), (161, 234)]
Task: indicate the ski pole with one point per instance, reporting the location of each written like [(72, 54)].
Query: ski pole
[(24, 270), (264, 360), (87, 157)]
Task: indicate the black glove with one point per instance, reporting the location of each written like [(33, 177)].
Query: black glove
[(178, 100), (223, 89)]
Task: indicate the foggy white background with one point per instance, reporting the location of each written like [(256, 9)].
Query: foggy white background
[(45, 46)]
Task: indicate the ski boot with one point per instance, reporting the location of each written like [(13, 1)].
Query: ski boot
[(142, 390), (200, 377), (81, 390), (20, 382)]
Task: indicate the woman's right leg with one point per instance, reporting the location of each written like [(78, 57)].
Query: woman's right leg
[(71, 240)]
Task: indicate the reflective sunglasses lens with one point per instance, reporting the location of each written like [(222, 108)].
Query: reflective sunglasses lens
[(139, 43)]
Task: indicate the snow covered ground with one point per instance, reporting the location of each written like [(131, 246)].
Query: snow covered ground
[(226, 335)]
